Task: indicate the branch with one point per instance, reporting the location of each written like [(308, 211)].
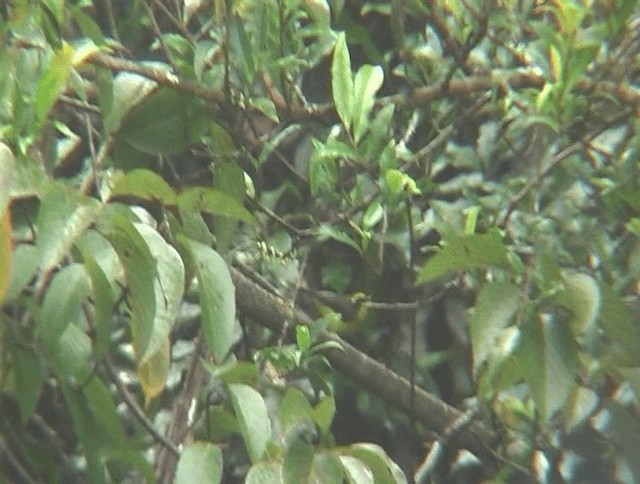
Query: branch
[(271, 311)]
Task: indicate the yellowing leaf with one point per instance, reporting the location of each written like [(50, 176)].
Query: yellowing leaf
[(153, 371), (5, 253)]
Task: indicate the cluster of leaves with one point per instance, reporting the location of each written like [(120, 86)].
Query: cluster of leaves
[(493, 145)]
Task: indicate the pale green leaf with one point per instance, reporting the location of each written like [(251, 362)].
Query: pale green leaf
[(214, 202), (62, 303), (464, 253), (581, 295), (265, 472), (298, 461), (71, 353), (384, 470), (495, 308), (54, 80), (368, 81), (145, 185), (62, 218), (342, 81), (217, 297), (127, 92), (199, 462), (253, 419), (548, 358), (357, 471)]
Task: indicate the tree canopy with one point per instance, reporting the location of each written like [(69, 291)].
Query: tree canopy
[(319, 241)]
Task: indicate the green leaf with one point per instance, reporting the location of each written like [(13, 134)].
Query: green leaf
[(548, 358), (29, 376), (342, 82), (253, 419), (324, 412), (357, 471), (298, 461), (71, 353), (217, 297), (303, 337), (228, 179), (103, 305), (62, 302), (54, 80), (327, 231), (199, 462), (263, 472), (85, 428), (581, 295), (384, 470), (62, 218), (24, 264), (327, 469), (151, 343), (465, 253), (618, 323), (368, 81), (214, 202), (128, 90), (495, 308), (294, 410), (145, 185), (166, 122)]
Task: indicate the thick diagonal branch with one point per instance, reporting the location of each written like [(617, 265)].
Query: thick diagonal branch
[(271, 311)]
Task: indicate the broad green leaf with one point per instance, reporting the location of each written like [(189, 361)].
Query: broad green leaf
[(24, 264), (298, 461), (145, 185), (85, 427), (465, 253), (228, 179), (384, 470), (102, 304), (62, 303), (328, 232), (367, 82), (29, 376), (233, 372), (141, 275), (101, 402), (324, 412), (327, 469), (199, 462), (495, 308), (342, 82), (166, 122), (357, 471), (62, 218), (294, 410), (265, 472), (548, 358), (71, 353), (618, 323), (128, 90), (581, 295), (214, 202), (217, 297), (54, 80), (8, 168), (152, 343), (303, 337), (253, 419)]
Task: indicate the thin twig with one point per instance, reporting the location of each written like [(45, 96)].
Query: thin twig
[(131, 402)]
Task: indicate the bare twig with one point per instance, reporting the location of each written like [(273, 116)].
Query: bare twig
[(130, 401)]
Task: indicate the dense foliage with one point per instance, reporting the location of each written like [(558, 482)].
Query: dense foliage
[(319, 241)]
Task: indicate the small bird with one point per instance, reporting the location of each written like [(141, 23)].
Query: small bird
[(351, 311)]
